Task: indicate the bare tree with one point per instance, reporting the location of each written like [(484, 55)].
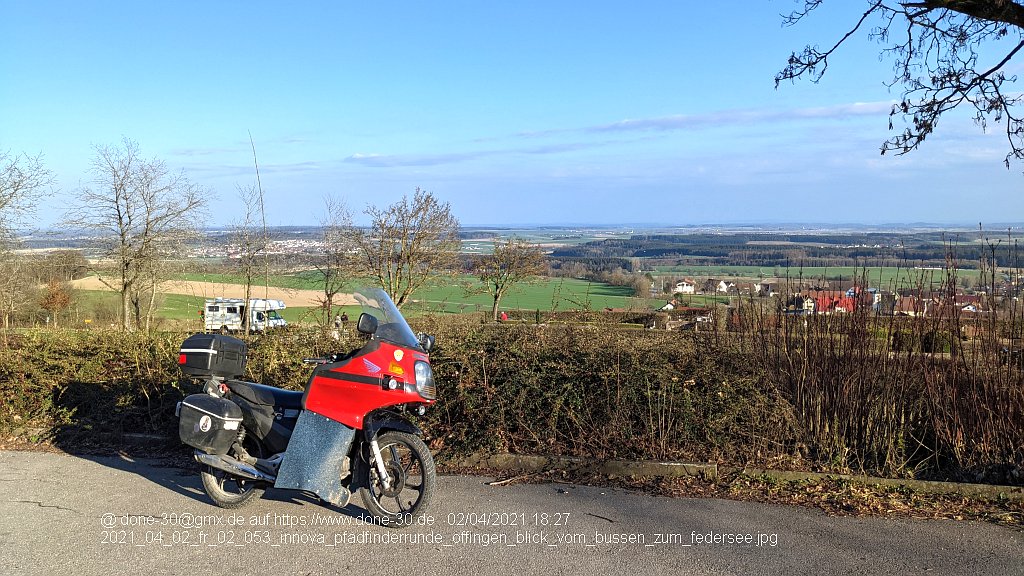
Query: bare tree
[(945, 54), (140, 213), (154, 271), (22, 179), (258, 195), (17, 289), (336, 262), (407, 243), (249, 245), (61, 265), (512, 261)]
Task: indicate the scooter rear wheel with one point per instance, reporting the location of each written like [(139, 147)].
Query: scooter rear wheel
[(228, 491), (411, 479)]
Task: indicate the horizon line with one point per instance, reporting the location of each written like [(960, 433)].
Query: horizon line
[(639, 225)]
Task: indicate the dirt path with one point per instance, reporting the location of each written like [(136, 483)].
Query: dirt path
[(292, 298)]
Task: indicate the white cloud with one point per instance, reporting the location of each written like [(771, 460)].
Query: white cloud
[(737, 117)]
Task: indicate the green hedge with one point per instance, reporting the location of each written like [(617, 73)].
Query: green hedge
[(582, 391), (587, 391), (593, 392)]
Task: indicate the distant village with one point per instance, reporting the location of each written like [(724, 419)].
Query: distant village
[(818, 299)]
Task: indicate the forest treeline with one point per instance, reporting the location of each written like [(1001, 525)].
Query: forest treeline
[(868, 249)]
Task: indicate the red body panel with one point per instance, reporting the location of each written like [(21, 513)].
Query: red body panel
[(349, 392)]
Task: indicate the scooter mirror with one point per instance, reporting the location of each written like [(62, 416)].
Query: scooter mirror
[(367, 324)]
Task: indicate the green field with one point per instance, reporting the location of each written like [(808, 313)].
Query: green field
[(462, 295), (547, 294), (463, 292)]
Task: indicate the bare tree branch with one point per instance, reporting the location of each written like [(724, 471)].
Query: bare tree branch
[(937, 62), (337, 258), (248, 245), (23, 179)]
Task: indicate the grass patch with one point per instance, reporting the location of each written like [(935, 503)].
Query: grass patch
[(548, 294)]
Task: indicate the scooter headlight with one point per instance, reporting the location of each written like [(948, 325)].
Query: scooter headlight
[(425, 380)]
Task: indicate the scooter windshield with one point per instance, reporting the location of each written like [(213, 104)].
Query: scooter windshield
[(391, 326)]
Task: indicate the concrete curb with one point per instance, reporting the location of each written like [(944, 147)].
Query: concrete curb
[(528, 463), (990, 491), (531, 464)]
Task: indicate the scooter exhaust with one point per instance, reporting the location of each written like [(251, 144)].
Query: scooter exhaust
[(233, 466)]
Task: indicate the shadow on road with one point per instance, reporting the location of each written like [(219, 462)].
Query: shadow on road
[(178, 475)]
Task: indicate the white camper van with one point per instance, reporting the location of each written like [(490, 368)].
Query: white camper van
[(225, 314)]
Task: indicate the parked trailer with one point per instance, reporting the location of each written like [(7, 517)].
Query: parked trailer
[(225, 315)]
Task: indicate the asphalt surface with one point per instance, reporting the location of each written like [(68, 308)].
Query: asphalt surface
[(62, 514)]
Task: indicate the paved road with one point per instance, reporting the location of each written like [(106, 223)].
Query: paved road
[(63, 514)]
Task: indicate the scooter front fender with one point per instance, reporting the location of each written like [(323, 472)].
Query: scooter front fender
[(387, 420)]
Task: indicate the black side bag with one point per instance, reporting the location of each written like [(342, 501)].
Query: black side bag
[(209, 423)]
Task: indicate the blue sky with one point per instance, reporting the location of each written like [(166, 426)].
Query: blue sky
[(524, 112)]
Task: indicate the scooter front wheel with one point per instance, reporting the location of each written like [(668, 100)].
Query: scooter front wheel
[(411, 479)]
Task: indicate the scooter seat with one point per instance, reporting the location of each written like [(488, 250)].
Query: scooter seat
[(266, 395)]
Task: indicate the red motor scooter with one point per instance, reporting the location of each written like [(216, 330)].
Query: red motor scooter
[(345, 432)]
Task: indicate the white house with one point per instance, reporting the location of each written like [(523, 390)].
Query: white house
[(686, 286)]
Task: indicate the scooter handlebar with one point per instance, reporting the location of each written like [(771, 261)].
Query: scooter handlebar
[(314, 360)]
